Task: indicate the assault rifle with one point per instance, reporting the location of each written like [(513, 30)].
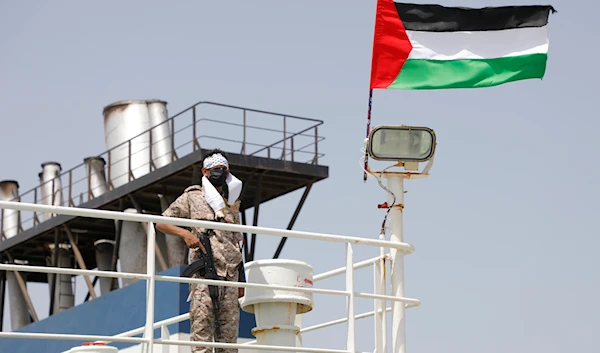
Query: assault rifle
[(206, 267)]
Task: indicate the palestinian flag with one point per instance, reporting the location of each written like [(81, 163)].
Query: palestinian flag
[(437, 47)]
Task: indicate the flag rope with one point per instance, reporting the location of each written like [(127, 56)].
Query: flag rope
[(368, 132)]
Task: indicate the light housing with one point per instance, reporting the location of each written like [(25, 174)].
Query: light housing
[(401, 143)]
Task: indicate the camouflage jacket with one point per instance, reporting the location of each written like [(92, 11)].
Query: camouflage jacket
[(225, 244)]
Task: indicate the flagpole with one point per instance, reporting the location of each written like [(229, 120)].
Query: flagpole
[(368, 131)]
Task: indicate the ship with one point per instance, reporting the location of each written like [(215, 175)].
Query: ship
[(95, 221)]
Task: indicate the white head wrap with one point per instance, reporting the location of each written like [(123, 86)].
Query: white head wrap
[(213, 197), (216, 159)]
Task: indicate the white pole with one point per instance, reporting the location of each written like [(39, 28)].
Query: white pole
[(351, 342), (150, 282), (396, 186), (380, 314)]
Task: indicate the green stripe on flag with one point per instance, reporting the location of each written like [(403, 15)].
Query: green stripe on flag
[(468, 73)]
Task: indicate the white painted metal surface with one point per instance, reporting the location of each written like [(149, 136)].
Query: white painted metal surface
[(51, 186), (105, 214), (350, 337), (396, 186), (11, 219), (161, 133), (379, 278), (150, 285), (301, 294), (279, 272), (276, 310), (128, 120), (96, 177)]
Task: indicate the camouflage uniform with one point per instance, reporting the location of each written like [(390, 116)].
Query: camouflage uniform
[(227, 259)]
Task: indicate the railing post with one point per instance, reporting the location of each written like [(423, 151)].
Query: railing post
[(316, 159), (172, 139), (35, 218), (284, 137), (53, 194), (194, 128), (89, 184), (165, 334), (70, 187), (292, 148), (150, 282), (108, 167), (129, 160), (150, 161), (244, 140), (380, 305), (350, 340)]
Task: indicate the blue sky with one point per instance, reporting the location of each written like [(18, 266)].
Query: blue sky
[(505, 229)]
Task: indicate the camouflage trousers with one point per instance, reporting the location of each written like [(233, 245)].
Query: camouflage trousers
[(202, 317)]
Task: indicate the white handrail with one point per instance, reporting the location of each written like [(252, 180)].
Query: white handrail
[(316, 278), (342, 270), (92, 213), (69, 271), (151, 277)]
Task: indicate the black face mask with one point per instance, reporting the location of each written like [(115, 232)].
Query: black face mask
[(217, 177)]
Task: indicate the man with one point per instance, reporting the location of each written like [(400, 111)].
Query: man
[(215, 200)]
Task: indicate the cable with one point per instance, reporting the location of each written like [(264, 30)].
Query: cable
[(378, 177), (393, 199)]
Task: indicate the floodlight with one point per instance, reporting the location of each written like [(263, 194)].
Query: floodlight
[(401, 143)]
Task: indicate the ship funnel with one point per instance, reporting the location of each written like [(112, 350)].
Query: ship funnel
[(123, 122), (19, 312), (104, 252), (51, 186), (11, 219), (94, 167), (132, 248), (176, 248)]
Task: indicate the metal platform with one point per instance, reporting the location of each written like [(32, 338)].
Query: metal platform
[(269, 171)]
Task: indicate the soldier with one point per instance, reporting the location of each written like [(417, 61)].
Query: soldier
[(215, 200)]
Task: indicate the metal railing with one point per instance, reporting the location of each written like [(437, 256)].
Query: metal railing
[(257, 135), (379, 296)]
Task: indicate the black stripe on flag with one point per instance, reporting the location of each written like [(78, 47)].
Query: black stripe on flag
[(437, 18)]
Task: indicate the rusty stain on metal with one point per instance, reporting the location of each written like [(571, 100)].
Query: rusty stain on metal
[(383, 268), (272, 328), (385, 205)]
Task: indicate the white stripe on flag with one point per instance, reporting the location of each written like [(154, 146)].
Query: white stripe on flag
[(478, 45)]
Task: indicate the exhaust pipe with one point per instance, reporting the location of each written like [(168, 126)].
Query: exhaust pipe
[(11, 219), (51, 186)]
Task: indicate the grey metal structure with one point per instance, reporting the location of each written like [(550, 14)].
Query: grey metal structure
[(150, 161), (104, 250), (64, 297)]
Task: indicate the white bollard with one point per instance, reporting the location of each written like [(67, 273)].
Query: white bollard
[(276, 310)]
